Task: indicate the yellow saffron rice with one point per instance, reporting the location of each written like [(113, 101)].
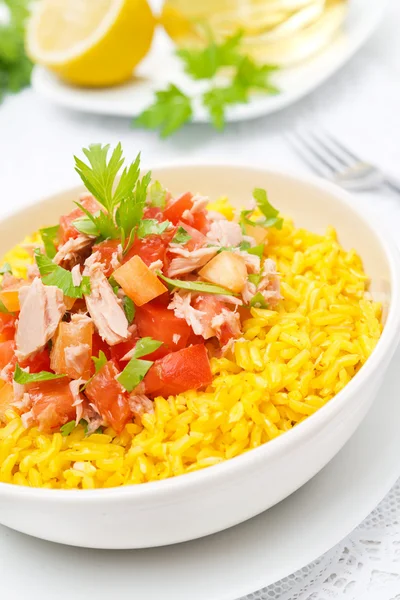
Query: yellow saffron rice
[(290, 363)]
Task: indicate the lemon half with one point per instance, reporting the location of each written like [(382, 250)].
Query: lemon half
[(91, 42)]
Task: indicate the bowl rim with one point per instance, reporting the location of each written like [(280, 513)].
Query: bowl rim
[(384, 349)]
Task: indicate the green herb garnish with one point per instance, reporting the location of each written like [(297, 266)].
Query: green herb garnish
[(195, 286), (255, 278), (259, 301), (3, 309), (181, 236), (129, 309), (23, 377), (6, 268), (151, 227), (49, 237), (15, 66), (158, 195), (53, 274), (136, 369), (271, 214), (99, 361), (256, 250), (172, 108), (67, 428)]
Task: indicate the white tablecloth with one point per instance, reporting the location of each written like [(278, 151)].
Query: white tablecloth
[(361, 104)]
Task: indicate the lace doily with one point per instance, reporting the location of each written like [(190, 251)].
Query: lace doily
[(364, 566)]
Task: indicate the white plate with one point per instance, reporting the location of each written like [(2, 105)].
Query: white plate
[(161, 67), (238, 561)]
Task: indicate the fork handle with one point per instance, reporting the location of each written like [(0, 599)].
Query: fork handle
[(393, 183)]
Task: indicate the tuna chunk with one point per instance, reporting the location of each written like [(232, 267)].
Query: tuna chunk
[(74, 250), (42, 308), (225, 233), (187, 261), (269, 285), (140, 404), (195, 318), (104, 306), (76, 357)]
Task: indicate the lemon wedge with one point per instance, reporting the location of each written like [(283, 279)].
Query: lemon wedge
[(90, 42)]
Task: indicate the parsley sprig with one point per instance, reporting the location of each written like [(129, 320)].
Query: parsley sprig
[(120, 191), (136, 368), (172, 108), (270, 217), (15, 66)]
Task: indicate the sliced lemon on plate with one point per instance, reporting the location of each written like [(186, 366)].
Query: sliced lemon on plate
[(90, 42)]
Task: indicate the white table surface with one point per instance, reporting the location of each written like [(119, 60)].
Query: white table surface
[(360, 104)]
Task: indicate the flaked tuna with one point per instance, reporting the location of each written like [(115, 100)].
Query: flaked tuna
[(42, 308), (140, 404), (187, 261), (225, 233), (74, 250), (104, 306)]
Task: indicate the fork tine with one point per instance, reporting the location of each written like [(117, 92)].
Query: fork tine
[(306, 156), (314, 148), (339, 145), (341, 157)]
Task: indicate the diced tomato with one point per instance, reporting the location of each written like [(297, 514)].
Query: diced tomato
[(197, 239), (52, 404), (187, 369), (99, 345), (38, 362), (7, 327), (107, 249), (200, 221), (67, 230), (175, 208), (210, 305), (120, 350), (7, 353), (107, 395), (150, 248), (160, 323), (154, 212)]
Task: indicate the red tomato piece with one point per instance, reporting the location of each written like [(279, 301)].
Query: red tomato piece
[(67, 230), (52, 404), (198, 240), (120, 350), (187, 369), (154, 212), (150, 248), (212, 307), (7, 353), (109, 398), (107, 249), (99, 345), (159, 322), (38, 362), (200, 221), (7, 327), (175, 208)]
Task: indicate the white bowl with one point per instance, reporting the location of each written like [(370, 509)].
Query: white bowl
[(207, 501)]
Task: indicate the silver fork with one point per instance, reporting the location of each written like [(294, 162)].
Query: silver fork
[(330, 159)]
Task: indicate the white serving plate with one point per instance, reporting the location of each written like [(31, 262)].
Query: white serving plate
[(161, 67), (204, 502), (238, 561)]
